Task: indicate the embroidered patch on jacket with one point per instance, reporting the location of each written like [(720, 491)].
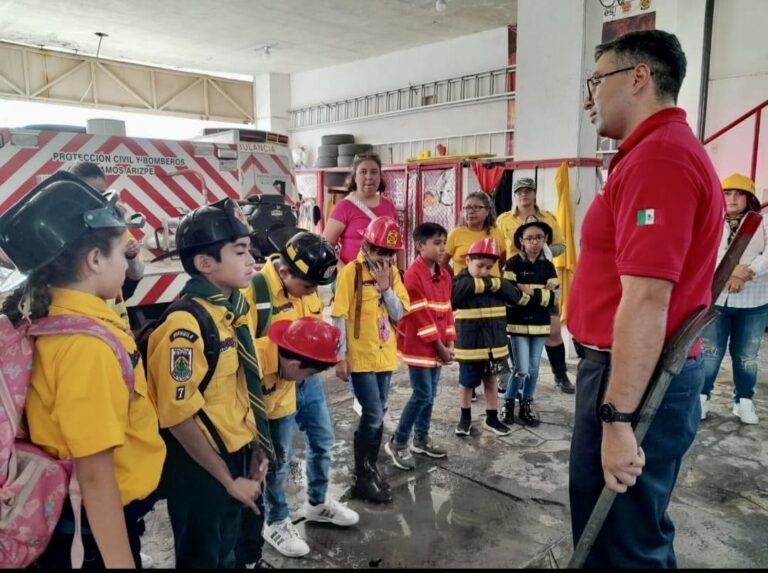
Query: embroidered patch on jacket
[(181, 392), (646, 217), (226, 344), (283, 308), (181, 364), (185, 334)]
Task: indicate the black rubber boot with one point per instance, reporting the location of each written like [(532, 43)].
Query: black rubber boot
[(508, 412), (375, 448), (527, 416), (556, 356), (366, 486)]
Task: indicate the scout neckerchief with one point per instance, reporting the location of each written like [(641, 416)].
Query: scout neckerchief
[(238, 306)]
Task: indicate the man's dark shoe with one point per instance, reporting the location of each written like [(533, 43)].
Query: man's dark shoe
[(564, 384)]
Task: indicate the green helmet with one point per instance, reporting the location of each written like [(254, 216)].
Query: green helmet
[(310, 257), (54, 215)]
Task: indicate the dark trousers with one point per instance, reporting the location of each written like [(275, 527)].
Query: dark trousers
[(57, 555), (638, 531), (205, 519)]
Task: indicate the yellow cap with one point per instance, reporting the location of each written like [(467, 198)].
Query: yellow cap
[(740, 182)]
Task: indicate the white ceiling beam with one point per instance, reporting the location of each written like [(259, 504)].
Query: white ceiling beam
[(45, 75)]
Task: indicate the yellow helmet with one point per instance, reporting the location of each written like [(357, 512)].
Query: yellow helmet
[(740, 182), (743, 183)]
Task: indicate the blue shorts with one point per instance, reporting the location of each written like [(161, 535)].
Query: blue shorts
[(471, 374)]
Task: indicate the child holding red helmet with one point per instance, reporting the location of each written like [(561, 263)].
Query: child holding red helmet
[(370, 297), (480, 308)]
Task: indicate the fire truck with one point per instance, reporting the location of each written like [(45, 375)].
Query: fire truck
[(162, 179)]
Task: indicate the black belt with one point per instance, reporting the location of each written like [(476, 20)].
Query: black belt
[(599, 356)]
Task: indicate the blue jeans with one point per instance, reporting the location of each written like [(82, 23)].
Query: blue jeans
[(417, 413), (371, 390), (638, 532), (745, 328), (527, 354), (312, 418)]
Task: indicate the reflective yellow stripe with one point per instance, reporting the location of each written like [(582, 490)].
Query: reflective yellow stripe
[(545, 296), (427, 330), (531, 329), (525, 299), (481, 353), (479, 313), (510, 276), (495, 284), (553, 283), (479, 286), (419, 304)]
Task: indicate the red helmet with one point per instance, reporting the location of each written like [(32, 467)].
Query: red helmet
[(310, 337), (486, 247), (384, 232)]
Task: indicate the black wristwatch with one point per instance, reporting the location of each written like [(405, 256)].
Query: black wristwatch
[(609, 414)]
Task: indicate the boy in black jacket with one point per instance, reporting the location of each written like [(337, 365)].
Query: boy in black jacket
[(479, 303), (528, 324)]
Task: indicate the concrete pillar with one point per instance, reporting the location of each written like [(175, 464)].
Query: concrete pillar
[(272, 98)]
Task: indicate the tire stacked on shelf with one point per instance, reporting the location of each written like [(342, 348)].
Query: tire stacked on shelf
[(339, 150), (347, 152), (328, 151)]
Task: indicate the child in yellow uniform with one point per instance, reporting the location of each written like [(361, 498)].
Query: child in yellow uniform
[(218, 439), (370, 294), (71, 242), (285, 291)]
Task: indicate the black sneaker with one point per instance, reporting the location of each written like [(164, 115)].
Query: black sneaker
[(564, 384), (496, 427), (508, 412), (463, 427)]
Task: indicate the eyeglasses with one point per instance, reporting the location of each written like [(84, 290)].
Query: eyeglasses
[(474, 207), (534, 238), (594, 80)]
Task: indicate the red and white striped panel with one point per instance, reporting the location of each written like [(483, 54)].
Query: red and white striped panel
[(155, 289), (257, 169)]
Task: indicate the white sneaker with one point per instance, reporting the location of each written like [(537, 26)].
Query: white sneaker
[(357, 407), (745, 410), (331, 512), (146, 561), (283, 536), (704, 406)]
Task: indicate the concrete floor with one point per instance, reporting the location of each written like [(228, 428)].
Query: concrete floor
[(503, 502)]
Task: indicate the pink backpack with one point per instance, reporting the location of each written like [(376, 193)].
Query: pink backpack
[(33, 484)]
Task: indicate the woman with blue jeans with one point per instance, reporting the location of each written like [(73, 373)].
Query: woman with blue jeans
[(743, 305), (528, 322)]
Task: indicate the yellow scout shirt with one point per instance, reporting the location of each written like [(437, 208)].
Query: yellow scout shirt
[(79, 405), (279, 394), (369, 353), (177, 365), (509, 222), (461, 238)]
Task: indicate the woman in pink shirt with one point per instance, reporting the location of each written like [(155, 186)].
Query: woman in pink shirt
[(351, 216)]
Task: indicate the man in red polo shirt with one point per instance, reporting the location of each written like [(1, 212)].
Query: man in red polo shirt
[(648, 251)]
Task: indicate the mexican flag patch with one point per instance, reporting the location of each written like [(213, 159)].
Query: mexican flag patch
[(646, 217)]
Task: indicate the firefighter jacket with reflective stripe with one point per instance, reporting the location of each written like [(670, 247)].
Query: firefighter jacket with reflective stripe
[(531, 316), (430, 318), (480, 312)]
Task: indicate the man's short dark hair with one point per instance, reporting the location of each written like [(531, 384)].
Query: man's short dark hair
[(426, 231), (660, 50), (87, 170), (304, 362)]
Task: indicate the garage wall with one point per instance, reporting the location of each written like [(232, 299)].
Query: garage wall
[(475, 53), (739, 82)]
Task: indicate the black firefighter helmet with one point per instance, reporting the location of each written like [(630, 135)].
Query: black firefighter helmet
[(54, 215), (210, 224), (311, 258)]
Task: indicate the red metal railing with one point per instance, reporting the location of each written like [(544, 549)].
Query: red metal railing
[(757, 112)]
